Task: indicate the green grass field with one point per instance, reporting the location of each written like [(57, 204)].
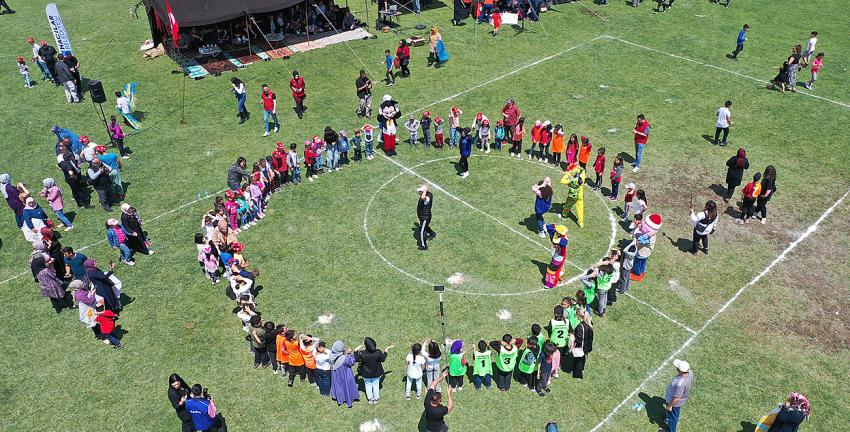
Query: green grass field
[(320, 247)]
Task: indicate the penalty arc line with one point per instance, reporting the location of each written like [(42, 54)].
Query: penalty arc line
[(839, 103), (181, 207), (781, 257)]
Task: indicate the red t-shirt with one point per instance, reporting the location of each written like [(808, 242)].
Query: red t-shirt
[(106, 321), (268, 100), (297, 87), (279, 161), (309, 156), (599, 164), (644, 129)]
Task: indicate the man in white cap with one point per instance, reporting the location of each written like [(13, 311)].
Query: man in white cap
[(677, 393), (423, 211)]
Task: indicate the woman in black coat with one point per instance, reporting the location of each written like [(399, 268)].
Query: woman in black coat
[(793, 412), (371, 368), (103, 287), (768, 187), (736, 165), (178, 392), (130, 220)]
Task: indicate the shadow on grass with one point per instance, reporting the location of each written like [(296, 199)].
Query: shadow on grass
[(654, 409), (708, 138), (530, 223), (681, 243), (719, 190), (627, 158), (748, 426)]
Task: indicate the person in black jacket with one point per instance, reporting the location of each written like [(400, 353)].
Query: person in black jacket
[(582, 344), (423, 212), (103, 285), (371, 368), (48, 54), (793, 412), (736, 165), (79, 188), (137, 240), (178, 391), (768, 187)]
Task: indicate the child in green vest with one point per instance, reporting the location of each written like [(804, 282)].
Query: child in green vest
[(482, 366), (545, 369), (505, 360), (560, 337), (598, 281), (457, 366), (537, 332), (527, 363)]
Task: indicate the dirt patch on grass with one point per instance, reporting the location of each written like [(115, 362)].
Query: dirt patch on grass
[(593, 13)]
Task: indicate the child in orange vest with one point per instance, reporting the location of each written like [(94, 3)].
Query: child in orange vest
[(281, 355), (295, 359), (584, 152), (307, 346), (750, 193), (535, 137)]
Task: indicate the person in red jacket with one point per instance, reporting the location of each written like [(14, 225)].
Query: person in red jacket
[(269, 101), (106, 322), (641, 132), (310, 160), (599, 167), (280, 165), (298, 88), (402, 54)]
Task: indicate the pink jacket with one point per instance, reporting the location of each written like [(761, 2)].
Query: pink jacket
[(54, 197)]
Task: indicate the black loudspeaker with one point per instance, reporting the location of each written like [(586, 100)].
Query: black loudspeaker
[(96, 91)]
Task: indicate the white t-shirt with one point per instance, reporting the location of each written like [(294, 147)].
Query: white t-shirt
[(723, 116), (810, 47), (323, 360), (414, 365), (123, 105)]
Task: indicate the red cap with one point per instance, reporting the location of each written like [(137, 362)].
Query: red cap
[(426, 114), (237, 246), (438, 120), (280, 146), (20, 59), (479, 115), (229, 194), (84, 139), (100, 149), (239, 192), (486, 122), (367, 128)]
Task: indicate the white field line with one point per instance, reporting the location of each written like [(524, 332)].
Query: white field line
[(659, 313), (460, 200), (150, 220), (805, 93), (513, 72), (780, 258)]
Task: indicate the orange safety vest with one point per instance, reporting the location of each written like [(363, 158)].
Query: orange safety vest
[(584, 154), (294, 352), (309, 360), (282, 356)]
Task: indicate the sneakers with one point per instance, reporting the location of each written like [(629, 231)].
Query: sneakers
[(151, 252), (636, 169), (69, 228), (266, 134), (464, 175), (276, 129), (129, 263), (125, 157), (763, 220), (118, 347), (529, 156), (542, 234)]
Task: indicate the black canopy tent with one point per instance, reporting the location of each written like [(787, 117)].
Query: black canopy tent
[(191, 13)]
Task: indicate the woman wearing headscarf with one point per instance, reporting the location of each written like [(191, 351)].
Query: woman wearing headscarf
[(793, 412), (10, 192), (736, 165), (51, 286), (132, 223), (461, 11), (433, 39), (53, 248), (104, 287), (768, 187), (79, 189), (86, 300), (372, 368), (34, 220), (53, 194), (343, 385)]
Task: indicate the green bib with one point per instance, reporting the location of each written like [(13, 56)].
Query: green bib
[(603, 282), (506, 361), (525, 367), (572, 317), (456, 366), (541, 338), (560, 334), (590, 294), (482, 363)]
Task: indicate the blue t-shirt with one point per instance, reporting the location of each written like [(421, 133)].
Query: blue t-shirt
[(198, 409), (110, 159), (225, 257), (76, 265), (742, 36), (389, 61), (466, 146), (541, 205)]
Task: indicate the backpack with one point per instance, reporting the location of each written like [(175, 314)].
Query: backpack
[(551, 427)]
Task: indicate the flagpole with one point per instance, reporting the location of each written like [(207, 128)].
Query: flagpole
[(183, 103)]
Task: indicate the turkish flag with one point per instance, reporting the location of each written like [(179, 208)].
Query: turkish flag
[(175, 29)]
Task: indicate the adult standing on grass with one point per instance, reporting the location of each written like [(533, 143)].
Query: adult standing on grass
[(364, 94), (201, 408), (46, 74), (241, 96), (510, 115), (794, 66), (768, 187), (299, 93), (724, 120), (735, 167), (178, 393), (677, 394), (435, 411), (66, 78), (372, 368), (704, 223), (103, 284), (343, 384), (13, 199), (542, 203), (465, 152), (269, 101), (237, 173), (137, 239), (434, 38), (99, 177), (423, 212), (51, 287), (641, 133), (48, 54), (402, 54), (742, 37)]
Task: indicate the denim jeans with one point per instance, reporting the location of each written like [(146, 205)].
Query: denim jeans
[(45, 71), (296, 175), (370, 148), (240, 102), (126, 252), (478, 380), (638, 154), (426, 135), (540, 222), (410, 382), (373, 388), (332, 159), (615, 189), (416, 6), (62, 218), (323, 380), (112, 339), (266, 115), (454, 137), (27, 81), (672, 418)]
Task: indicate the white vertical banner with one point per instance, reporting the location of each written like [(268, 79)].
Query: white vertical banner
[(57, 27)]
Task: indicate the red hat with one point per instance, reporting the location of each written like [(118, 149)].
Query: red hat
[(237, 246), (479, 115), (100, 149), (584, 139), (30, 39), (367, 128), (239, 191), (280, 146), (84, 139), (438, 120), (20, 59), (500, 122), (426, 114), (455, 109), (229, 194), (653, 221), (486, 122)]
